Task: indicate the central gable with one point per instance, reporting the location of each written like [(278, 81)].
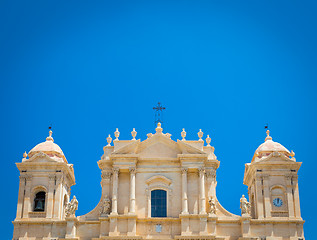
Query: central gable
[(159, 146), (159, 150)]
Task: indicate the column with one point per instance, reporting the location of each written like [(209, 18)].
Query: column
[(132, 190), (202, 202), (50, 196), (296, 197), (290, 199), (115, 191), (259, 197), (21, 197), (184, 191), (267, 200), (27, 197)]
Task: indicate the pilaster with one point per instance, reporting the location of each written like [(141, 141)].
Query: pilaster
[(259, 198), (50, 196), (267, 200), (27, 196), (290, 198), (21, 197)]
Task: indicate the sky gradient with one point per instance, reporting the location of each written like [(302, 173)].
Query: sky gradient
[(226, 67)]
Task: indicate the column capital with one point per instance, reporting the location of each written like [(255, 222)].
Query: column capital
[(265, 177), (184, 170), (210, 174), (106, 175), (51, 177), (201, 170), (132, 170), (26, 177), (115, 170)]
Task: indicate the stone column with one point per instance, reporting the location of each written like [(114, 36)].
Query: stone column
[(27, 197), (267, 200), (115, 191), (132, 190), (21, 197), (259, 198), (296, 197), (50, 196), (184, 191), (202, 196)]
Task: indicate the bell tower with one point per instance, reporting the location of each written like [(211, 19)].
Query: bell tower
[(272, 180), (45, 181)]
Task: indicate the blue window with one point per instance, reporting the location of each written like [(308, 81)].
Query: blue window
[(158, 203)]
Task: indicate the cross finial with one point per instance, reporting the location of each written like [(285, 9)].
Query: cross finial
[(158, 111)]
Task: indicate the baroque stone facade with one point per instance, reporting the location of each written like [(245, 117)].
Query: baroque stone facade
[(158, 189)]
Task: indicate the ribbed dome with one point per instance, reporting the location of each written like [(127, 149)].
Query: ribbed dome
[(50, 148)]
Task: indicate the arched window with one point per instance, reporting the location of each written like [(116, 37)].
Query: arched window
[(39, 202), (158, 203)]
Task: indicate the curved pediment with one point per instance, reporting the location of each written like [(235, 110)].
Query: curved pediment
[(158, 179)]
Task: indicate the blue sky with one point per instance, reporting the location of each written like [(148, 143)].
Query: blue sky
[(227, 67)]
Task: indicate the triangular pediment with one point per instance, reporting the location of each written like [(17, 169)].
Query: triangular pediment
[(277, 157), (40, 158), (158, 146)]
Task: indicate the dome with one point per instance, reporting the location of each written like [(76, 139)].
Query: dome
[(50, 148), (269, 146)]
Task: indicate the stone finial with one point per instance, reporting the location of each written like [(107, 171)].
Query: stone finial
[(109, 139), (116, 134), (200, 135), (25, 155), (159, 129), (208, 140), (292, 154), (183, 134), (133, 133), (50, 138), (268, 137)]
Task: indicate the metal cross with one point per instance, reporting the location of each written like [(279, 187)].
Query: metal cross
[(158, 110)]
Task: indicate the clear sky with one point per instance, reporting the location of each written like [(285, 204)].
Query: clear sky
[(226, 67)]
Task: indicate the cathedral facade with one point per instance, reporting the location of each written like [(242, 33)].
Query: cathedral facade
[(158, 189)]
